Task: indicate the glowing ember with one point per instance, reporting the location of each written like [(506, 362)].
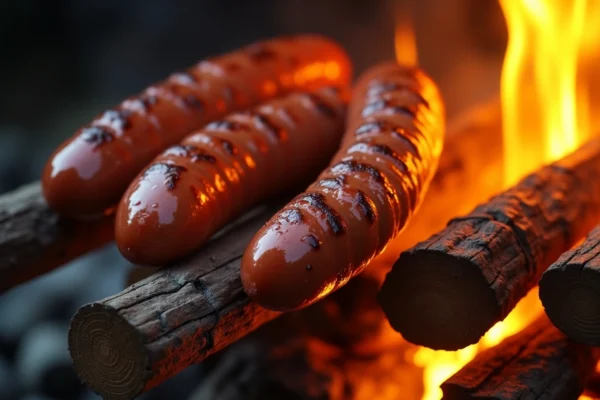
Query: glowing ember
[(406, 46)]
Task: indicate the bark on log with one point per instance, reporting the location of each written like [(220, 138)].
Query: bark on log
[(570, 291), (131, 342), (471, 274), (539, 362), (35, 240)]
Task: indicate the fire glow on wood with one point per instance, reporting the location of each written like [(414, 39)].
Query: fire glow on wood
[(545, 107)]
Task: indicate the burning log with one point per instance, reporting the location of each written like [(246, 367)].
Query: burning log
[(134, 340), (35, 240), (470, 275), (538, 362), (570, 291)]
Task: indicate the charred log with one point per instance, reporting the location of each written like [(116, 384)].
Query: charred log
[(471, 274), (131, 342), (539, 362), (570, 291), (35, 240)]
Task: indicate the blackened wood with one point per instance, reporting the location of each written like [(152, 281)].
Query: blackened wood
[(470, 275), (570, 291), (130, 342), (539, 362), (35, 240)]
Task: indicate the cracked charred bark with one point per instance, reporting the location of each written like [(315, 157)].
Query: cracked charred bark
[(570, 291), (471, 274), (539, 362), (35, 240)]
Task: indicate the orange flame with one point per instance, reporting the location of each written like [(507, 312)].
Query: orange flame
[(545, 104), (404, 39)]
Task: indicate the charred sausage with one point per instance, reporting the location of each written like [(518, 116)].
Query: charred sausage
[(359, 203), (87, 174), (191, 190)]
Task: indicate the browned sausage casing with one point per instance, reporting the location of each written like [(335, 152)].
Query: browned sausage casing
[(193, 189), (363, 200), (88, 173)]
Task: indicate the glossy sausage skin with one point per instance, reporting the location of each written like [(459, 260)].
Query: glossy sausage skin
[(363, 200), (87, 175), (193, 189)]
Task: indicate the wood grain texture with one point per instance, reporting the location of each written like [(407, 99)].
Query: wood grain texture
[(539, 362), (570, 291), (35, 240), (130, 342), (471, 274)]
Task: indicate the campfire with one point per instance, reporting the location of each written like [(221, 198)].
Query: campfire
[(439, 298)]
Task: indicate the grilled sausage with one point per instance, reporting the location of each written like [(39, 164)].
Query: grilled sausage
[(359, 203), (87, 175), (191, 190)]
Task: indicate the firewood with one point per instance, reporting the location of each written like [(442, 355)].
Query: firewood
[(539, 362), (130, 342), (35, 240), (570, 291), (470, 275)]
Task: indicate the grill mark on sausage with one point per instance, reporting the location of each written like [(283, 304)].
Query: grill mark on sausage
[(147, 101), (375, 127), (354, 166), (333, 183), (202, 156), (321, 105), (97, 135), (293, 216), (228, 147), (387, 152), (379, 88), (226, 125), (190, 151), (334, 220), (380, 105), (170, 172), (261, 53), (192, 101), (365, 205), (312, 241), (266, 125), (118, 118)]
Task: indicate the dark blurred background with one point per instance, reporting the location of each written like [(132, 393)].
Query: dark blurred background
[(63, 61)]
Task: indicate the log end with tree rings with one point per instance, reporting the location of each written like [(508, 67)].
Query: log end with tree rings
[(471, 274), (87, 175), (193, 189), (363, 200), (438, 294), (108, 353), (570, 291)]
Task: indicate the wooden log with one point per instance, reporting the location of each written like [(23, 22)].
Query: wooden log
[(35, 240), (539, 362), (570, 291), (464, 279), (130, 342)]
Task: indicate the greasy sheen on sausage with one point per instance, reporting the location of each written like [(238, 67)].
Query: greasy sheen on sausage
[(358, 204), (193, 189), (87, 174)]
